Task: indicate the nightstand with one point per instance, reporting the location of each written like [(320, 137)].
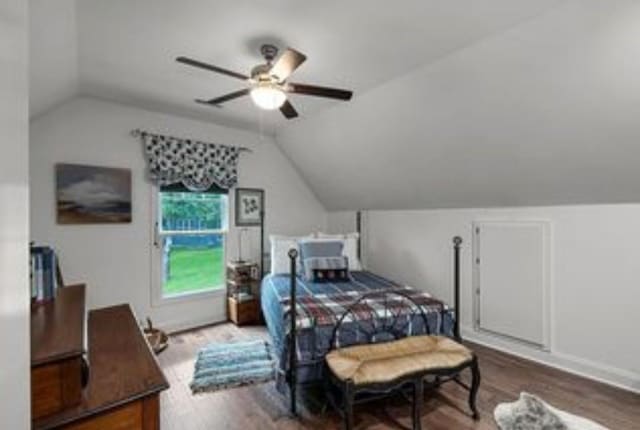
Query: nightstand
[(243, 292)]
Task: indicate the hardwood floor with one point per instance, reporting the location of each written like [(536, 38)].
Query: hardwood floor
[(261, 407)]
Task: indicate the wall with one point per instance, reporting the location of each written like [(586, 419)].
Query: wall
[(545, 113), (14, 214), (114, 260), (594, 271), (53, 48)]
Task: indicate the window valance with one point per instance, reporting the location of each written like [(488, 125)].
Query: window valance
[(195, 164)]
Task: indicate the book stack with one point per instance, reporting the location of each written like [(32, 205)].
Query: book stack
[(43, 274)]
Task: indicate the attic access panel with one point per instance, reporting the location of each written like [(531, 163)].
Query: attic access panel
[(512, 281)]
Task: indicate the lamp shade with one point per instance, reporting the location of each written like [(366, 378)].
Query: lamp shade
[(268, 96)]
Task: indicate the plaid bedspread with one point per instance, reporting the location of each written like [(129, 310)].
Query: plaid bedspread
[(320, 305), (327, 309)]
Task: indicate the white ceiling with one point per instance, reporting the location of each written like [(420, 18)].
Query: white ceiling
[(459, 103), (124, 50), (546, 113)]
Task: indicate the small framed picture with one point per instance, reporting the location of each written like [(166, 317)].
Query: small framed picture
[(249, 207)]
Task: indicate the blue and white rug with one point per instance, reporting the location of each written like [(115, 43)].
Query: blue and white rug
[(235, 364)]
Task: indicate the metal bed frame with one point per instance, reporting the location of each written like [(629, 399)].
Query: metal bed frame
[(291, 373)]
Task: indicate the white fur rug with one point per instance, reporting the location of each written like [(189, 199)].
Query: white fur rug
[(531, 413)]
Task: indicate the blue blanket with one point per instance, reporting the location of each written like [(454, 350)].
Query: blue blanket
[(313, 342)]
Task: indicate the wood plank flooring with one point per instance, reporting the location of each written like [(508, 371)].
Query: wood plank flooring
[(261, 407)]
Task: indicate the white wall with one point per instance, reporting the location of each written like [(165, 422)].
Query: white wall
[(595, 252), (15, 409), (114, 260), (341, 222)]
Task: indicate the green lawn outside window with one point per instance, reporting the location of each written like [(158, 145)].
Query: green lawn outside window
[(194, 269)]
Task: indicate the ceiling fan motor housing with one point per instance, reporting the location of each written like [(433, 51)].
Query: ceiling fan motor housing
[(261, 72), (269, 52)]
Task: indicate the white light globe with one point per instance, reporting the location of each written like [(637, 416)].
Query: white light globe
[(268, 97)]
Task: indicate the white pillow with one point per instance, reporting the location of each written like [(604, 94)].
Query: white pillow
[(280, 246), (350, 249)]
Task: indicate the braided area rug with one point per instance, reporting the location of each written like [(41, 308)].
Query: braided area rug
[(228, 365)]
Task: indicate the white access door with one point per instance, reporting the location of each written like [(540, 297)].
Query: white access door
[(512, 280)]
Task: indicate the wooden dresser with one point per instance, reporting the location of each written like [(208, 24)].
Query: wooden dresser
[(124, 379)]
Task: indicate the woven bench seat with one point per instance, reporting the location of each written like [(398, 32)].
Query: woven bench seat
[(363, 372), (385, 362)]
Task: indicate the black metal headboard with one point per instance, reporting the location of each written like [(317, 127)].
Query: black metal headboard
[(359, 230)]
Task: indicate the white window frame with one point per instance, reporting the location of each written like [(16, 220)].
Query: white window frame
[(157, 296)]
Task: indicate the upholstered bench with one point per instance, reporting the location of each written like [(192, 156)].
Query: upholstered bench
[(386, 367)]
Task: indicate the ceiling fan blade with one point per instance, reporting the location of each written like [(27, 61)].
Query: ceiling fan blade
[(312, 90), (289, 61), (225, 98), (288, 110), (212, 68)]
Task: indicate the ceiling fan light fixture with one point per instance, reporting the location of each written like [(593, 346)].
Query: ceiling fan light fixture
[(268, 96), (268, 83)]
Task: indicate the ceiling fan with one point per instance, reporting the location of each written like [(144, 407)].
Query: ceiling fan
[(267, 84)]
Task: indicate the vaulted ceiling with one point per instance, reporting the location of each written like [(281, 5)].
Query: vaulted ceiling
[(124, 50), (458, 103), (53, 54), (545, 113)]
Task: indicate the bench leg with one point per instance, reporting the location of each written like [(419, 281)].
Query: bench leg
[(475, 384), (348, 405), (418, 400)]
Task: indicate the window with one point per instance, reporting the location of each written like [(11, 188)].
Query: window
[(190, 241)]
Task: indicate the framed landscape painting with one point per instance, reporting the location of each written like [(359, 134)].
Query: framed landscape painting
[(92, 194), (249, 207)]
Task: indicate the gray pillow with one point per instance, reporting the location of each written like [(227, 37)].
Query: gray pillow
[(318, 248)]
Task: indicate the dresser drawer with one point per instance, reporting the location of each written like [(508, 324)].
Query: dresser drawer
[(55, 387)]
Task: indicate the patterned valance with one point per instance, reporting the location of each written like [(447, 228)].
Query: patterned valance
[(197, 165)]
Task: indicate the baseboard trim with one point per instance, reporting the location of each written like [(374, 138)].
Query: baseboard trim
[(619, 378), (176, 326)]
